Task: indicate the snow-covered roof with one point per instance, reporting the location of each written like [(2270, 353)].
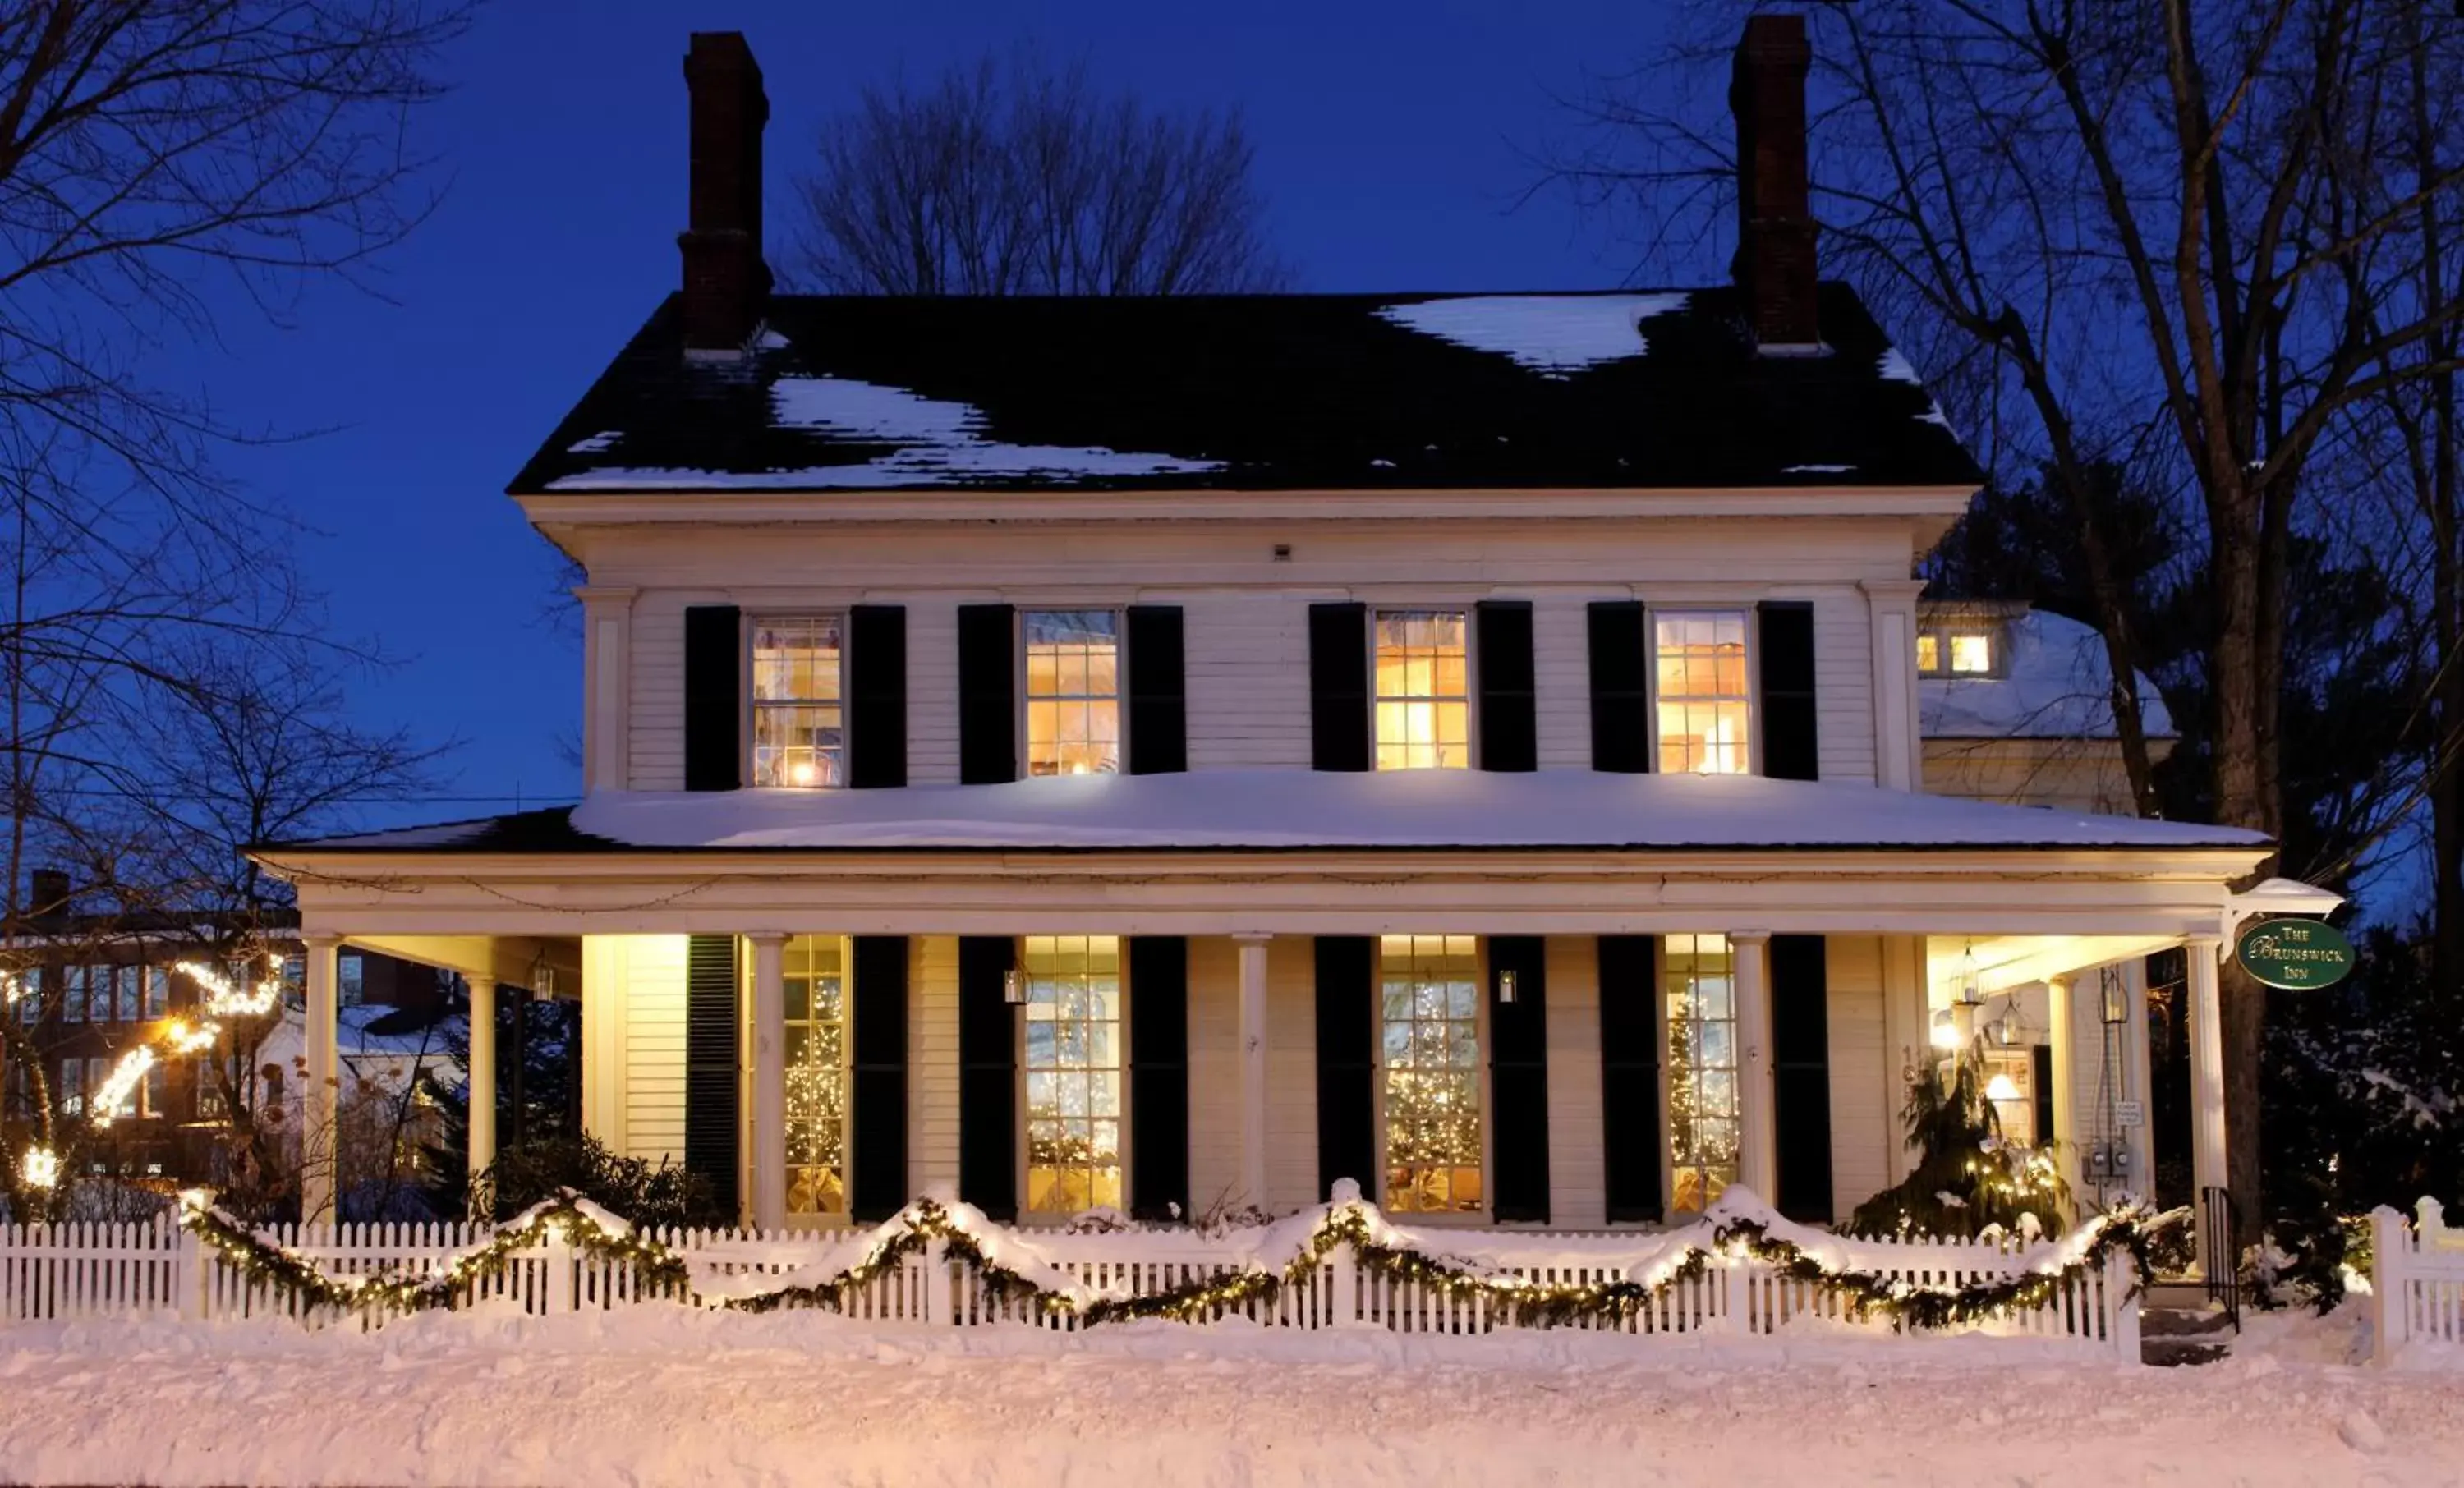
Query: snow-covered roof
[(1288, 809), (2054, 685), (1256, 392)]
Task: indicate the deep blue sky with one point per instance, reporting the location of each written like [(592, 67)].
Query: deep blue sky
[(1387, 142)]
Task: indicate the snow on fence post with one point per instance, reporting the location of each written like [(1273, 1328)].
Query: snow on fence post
[(192, 1275), (2122, 1297), (560, 1271), (2390, 1249), (937, 1282), (1345, 1303)]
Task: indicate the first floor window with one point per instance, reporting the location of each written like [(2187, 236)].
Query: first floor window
[(799, 727), (1429, 1002), (209, 1089), (1702, 692), (1703, 1131), (1073, 1073), (2010, 1084), (814, 970), (71, 1093), (157, 1091), (1423, 690), (1073, 691)]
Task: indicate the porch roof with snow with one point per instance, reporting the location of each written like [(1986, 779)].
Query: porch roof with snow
[(1295, 810), (1268, 392)]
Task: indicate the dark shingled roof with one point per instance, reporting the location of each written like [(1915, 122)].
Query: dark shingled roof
[(1245, 392)]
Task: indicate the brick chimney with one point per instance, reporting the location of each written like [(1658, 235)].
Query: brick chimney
[(726, 283), (1775, 262), (47, 895)]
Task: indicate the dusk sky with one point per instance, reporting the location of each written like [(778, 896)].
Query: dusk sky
[(1387, 138)]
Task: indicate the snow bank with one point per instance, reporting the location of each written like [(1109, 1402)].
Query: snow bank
[(1422, 808), (667, 1394)]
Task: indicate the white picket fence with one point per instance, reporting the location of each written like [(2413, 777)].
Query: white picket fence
[(2416, 1281), (99, 1270)]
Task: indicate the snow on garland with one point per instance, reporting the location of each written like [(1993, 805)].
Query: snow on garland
[(1738, 1228)]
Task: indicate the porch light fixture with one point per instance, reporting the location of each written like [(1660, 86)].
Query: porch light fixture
[(2113, 996), (1505, 987), (1967, 991), (2001, 1087), (1013, 990), (542, 978)]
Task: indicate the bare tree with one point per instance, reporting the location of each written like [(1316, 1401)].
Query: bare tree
[(2183, 238), (1009, 177)]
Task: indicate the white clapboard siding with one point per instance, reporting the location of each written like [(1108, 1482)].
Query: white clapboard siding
[(1843, 683), (1577, 1159), (1864, 1095), (654, 1046), (931, 689), (1215, 1077), (1245, 660)]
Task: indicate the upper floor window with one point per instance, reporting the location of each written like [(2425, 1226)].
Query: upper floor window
[(813, 973), (126, 991), (1423, 690), (158, 992), (1429, 1007), (1704, 692), (1073, 1073), (1073, 691), (799, 713), (1959, 651)]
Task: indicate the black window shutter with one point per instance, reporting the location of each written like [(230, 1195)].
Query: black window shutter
[(1347, 1003), (877, 1167), (713, 1114), (1621, 690), (1160, 1077), (987, 1077), (1158, 692), (1518, 1080), (713, 697), (1630, 1003), (1800, 992), (987, 694), (1790, 749), (1509, 727), (2040, 1080), (876, 693), (1339, 687)]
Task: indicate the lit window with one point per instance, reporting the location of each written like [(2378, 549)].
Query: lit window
[(1703, 1136), (208, 1087), (1430, 1012), (1704, 697), (1423, 690), (1073, 1073), (1929, 653), (814, 973), (1073, 695), (2010, 1085), (1971, 652), (799, 727)]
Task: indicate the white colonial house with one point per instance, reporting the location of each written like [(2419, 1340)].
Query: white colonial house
[(1175, 753)]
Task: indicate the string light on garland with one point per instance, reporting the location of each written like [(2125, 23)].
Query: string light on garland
[(224, 999), (40, 1167)]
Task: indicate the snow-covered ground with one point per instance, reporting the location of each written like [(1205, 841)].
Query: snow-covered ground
[(667, 1395)]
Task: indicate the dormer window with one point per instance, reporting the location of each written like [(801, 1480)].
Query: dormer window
[(1964, 649), (798, 712)]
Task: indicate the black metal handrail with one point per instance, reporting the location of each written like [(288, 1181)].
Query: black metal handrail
[(2220, 1252)]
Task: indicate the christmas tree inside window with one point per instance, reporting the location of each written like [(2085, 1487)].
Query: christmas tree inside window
[(1429, 1002), (1073, 1073), (813, 975), (1699, 983)]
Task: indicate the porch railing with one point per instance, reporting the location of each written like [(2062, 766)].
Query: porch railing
[(2220, 1252), (155, 1268), (2416, 1282)]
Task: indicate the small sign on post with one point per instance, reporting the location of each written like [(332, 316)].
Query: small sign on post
[(2295, 954), (2128, 1113)]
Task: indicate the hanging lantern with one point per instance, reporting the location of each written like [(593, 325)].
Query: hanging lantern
[(2114, 997), (1505, 987), (1968, 990), (1013, 989)]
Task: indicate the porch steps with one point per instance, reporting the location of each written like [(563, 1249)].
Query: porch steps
[(2175, 1333)]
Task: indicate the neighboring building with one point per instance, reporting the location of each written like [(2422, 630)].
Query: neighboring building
[(2015, 704), (95, 986), (1176, 754)]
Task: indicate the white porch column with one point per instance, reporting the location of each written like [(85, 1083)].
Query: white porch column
[(2135, 1081), (769, 1081), (1759, 1150), (2061, 1011), (1898, 750), (607, 619), (2207, 1069), (1253, 1066), (483, 1081), (320, 1148)]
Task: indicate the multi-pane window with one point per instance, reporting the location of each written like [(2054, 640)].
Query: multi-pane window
[(351, 980), (32, 983), (208, 1085), (1423, 690), (73, 994), (814, 970), (1073, 1073), (127, 986), (1073, 691), (799, 717), (1958, 651), (1704, 692), (157, 1090), (1430, 1016), (1703, 1131), (158, 992)]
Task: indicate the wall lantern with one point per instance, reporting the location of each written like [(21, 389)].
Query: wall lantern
[(2113, 998), (1505, 987), (1013, 989)]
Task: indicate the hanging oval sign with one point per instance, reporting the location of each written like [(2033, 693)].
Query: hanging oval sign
[(2295, 955)]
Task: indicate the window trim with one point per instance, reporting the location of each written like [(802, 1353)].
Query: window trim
[(1468, 611), (1032, 1218), (1744, 610), (1474, 1218), (749, 708), (1020, 702)]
